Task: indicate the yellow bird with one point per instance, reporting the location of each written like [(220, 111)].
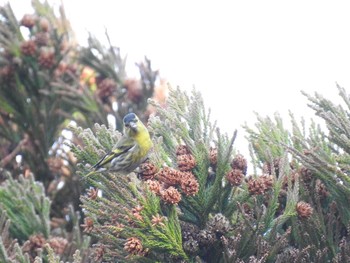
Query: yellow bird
[(130, 151)]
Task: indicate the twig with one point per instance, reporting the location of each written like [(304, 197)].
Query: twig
[(14, 153)]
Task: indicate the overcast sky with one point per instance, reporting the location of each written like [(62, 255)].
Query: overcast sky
[(244, 56)]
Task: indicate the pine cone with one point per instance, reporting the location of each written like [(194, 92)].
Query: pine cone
[(191, 246), (259, 185), (293, 176), (170, 195), (46, 58), (41, 38), (306, 174), (189, 184), (189, 230), (169, 176), (267, 181), (182, 150), (240, 163), (206, 237), (147, 171), (134, 90), (213, 156), (58, 244), (304, 210), (154, 186), (235, 177), (219, 224), (6, 73), (106, 88), (255, 186), (186, 162), (28, 20), (268, 167), (28, 48), (37, 240), (33, 244), (133, 246), (321, 189), (44, 24)]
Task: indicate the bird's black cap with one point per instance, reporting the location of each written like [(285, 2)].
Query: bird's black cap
[(129, 117)]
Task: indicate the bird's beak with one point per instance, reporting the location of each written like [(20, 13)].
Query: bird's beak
[(133, 126)]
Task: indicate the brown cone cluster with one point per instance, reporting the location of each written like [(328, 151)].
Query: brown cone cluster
[(58, 244), (28, 48), (35, 242), (169, 176), (189, 184), (6, 73), (213, 156), (41, 38), (169, 182), (38, 241), (147, 171), (106, 88), (235, 177), (321, 189), (304, 210), (219, 224), (239, 163), (182, 150), (44, 24), (239, 170), (185, 160), (292, 177), (134, 90), (270, 168), (154, 186), (170, 195), (28, 21), (134, 246), (306, 174), (260, 185)]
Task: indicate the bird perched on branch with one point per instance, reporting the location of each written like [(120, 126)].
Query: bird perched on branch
[(131, 149)]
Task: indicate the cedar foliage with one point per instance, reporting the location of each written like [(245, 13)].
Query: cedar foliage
[(292, 209), (192, 201), (44, 85)]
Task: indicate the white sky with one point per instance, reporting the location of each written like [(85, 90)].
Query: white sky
[(243, 56)]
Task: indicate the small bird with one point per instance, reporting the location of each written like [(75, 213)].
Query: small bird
[(131, 149)]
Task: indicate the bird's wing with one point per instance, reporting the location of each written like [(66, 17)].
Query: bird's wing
[(122, 146)]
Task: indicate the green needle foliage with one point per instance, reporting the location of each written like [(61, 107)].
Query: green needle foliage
[(319, 159), (193, 201), (125, 208), (186, 122), (25, 199)]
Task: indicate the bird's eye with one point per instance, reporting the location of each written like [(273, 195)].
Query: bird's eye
[(126, 124)]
